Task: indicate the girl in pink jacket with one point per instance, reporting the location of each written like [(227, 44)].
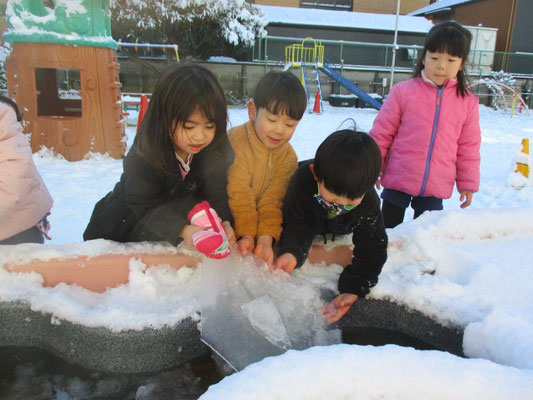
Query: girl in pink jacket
[(24, 198), (428, 130)]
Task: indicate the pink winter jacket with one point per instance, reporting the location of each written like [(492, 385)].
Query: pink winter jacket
[(24, 199), (429, 138)]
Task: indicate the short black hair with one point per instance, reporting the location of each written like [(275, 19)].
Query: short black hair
[(452, 38), (348, 163), (281, 91)]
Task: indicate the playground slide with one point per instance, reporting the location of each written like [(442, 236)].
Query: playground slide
[(350, 86)]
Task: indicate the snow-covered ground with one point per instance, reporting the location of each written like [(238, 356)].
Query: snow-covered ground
[(481, 256)]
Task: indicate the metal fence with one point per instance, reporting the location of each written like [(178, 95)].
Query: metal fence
[(379, 56)]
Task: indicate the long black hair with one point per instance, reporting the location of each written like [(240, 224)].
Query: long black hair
[(452, 38), (13, 105), (178, 93)]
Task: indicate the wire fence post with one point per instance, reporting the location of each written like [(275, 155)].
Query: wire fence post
[(395, 44), (266, 54)]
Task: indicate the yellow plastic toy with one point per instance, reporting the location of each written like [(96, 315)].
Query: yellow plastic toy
[(522, 164)]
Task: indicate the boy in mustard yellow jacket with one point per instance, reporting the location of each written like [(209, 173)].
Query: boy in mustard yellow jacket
[(264, 162)]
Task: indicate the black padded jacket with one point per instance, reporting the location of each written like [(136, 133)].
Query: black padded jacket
[(148, 204), (304, 218)]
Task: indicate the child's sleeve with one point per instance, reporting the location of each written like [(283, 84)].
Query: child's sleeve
[(298, 220), (143, 194), (241, 196), (369, 253), (387, 122), (269, 205), (468, 151)]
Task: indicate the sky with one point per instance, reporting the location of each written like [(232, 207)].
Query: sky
[(482, 258)]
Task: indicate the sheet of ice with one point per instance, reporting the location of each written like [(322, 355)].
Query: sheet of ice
[(264, 317), (249, 313)]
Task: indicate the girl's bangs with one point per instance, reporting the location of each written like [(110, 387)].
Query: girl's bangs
[(451, 42)]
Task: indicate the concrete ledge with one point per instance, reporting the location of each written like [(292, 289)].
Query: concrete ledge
[(100, 348)]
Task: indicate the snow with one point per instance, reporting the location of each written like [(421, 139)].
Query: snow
[(344, 19), (28, 27), (438, 5), (471, 267), (344, 372), (240, 23), (221, 59)]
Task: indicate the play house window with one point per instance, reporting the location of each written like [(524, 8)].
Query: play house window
[(58, 92)]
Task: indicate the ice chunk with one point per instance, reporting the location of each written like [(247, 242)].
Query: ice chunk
[(249, 313), (265, 318)]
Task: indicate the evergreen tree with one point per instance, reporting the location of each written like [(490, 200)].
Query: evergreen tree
[(4, 51), (200, 28)]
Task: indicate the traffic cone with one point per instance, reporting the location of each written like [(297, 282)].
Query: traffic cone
[(142, 110), (317, 108)]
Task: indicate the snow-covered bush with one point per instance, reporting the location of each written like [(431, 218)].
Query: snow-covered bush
[(201, 28), (3, 78), (499, 77), (4, 51), (496, 83)]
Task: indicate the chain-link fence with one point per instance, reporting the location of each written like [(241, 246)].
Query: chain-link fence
[(375, 55)]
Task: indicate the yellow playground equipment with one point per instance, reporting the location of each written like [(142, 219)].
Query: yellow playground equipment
[(298, 55), (312, 56), (147, 46)]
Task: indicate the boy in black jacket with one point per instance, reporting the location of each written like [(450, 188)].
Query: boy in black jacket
[(334, 193)]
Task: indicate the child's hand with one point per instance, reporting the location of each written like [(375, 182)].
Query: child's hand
[(286, 262), (186, 234), (378, 183), (264, 249), (466, 198), (230, 233), (246, 244), (340, 305)]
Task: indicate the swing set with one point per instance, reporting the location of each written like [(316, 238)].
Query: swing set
[(148, 46)]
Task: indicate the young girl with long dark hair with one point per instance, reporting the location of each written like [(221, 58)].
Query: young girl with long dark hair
[(173, 187), (428, 130)]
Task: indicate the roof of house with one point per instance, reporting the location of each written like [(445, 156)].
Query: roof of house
[(344, 19), (439, 6)]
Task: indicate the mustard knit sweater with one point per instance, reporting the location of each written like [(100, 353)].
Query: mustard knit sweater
[(257, 182)]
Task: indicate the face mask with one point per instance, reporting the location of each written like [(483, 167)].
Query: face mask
[(333, 209)]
